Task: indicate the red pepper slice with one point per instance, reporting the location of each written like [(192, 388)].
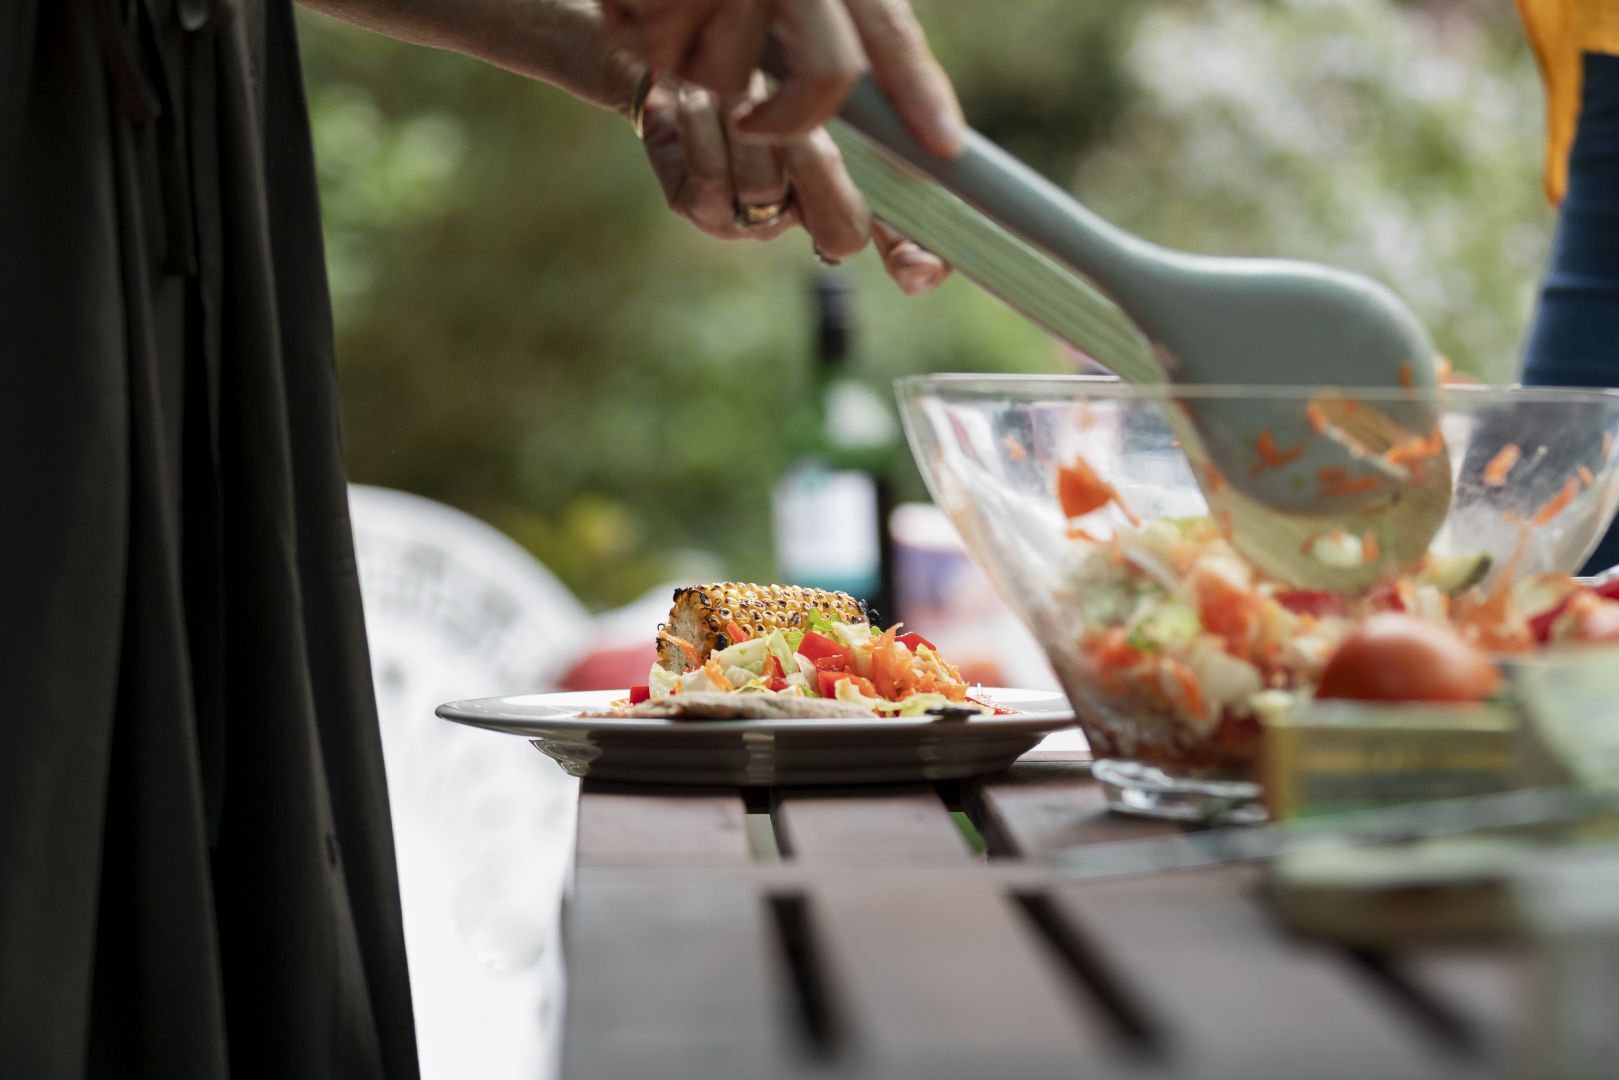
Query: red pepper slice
[(913, 640), (639, 694), (815, 646)]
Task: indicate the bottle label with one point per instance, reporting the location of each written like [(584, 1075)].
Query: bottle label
[(827, 530)]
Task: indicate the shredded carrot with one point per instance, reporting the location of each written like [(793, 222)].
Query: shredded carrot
[(1369, 546), (1446, 370), (694, 655), (1585, 476), (1557, 503), (1124, 508), (735, 632), (1487, 620), (1405, 375), (1212, 477), (712, 668), (1418, 449), (1076, 533), (1190, 688), (1014, 449), (1501, 465), (1317, 417), (1081, 491), (1272, 456), (1309, 543), (1335, 480)]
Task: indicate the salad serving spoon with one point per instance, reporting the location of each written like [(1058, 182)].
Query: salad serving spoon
[(1282, 474)]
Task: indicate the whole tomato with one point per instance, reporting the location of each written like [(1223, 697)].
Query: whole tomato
[(1398, 657)]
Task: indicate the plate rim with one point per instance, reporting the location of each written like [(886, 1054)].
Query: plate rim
[(486, 713)]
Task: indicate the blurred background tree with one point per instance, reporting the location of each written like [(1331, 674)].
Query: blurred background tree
[(526, 333)]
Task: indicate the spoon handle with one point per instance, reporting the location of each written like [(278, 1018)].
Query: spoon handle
[(1020, 200)]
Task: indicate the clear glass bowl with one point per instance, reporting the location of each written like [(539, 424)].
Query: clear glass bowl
[(990, 448)]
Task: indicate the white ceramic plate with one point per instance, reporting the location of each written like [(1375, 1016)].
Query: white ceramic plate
[(768, 752)]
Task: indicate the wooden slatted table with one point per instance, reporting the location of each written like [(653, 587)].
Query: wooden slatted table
[(859, 932)]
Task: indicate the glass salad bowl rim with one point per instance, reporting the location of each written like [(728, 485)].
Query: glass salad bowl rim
[(1034, 386)]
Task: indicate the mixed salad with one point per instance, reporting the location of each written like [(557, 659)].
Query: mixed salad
[(888, 672), (1179, 649)]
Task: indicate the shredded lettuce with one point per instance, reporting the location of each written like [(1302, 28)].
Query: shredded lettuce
[(846, 690), (819, 623), (748, 654), (662, 682), (776, 645), (921, 704)]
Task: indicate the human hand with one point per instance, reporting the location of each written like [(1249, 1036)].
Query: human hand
[(825, 45), (714, 180)]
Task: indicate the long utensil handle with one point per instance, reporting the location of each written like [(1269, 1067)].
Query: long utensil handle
[(1025, 279), (1020, 200)]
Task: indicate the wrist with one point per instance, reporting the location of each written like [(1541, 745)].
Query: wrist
[(561, 42)]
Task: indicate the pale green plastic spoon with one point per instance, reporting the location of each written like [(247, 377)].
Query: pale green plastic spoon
[(1207, 321)]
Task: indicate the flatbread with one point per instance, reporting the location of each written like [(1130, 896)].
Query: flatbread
[(719, 706)]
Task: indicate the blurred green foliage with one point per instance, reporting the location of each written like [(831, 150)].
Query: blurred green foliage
[(526, 333)]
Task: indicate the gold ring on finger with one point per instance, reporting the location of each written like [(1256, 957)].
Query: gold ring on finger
[(761, 214)]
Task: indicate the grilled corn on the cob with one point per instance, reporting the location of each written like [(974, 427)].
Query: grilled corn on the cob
[(701, 612)]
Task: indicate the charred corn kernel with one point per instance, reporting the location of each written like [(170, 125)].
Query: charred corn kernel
[(700, 613)]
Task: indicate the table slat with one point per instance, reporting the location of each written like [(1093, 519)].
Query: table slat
[(1234, 998), (1038, 807), (681, 982), (899, 824), (637, 825), (950, 984)]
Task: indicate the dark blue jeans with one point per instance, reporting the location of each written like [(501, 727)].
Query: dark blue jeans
[(1575, 337)]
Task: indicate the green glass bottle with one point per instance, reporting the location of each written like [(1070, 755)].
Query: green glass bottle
[(832, 502)]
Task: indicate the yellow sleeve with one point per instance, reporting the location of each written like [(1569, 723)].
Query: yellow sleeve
[(1560, 32)]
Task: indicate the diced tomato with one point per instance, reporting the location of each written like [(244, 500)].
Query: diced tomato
[(827, 683), (911, 641), (1227, 609), (773, 668), (818, 647), (639, 694), (1317, 602), (777, 683), (833, 663), (1394, 657), (1608, 590)]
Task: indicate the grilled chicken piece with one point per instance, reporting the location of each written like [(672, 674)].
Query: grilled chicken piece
[(700, 613)]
